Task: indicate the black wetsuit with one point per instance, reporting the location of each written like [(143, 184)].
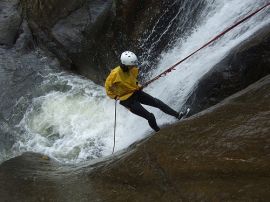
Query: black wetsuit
[(133, 103)]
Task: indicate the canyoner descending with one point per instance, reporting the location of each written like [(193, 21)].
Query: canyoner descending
[(122, 84)]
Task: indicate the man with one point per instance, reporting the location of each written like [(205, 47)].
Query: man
[(122, 85)]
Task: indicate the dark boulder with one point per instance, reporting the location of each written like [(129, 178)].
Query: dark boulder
[(244, 65), (81, 34), (47, 12), (24, 42), (88, 36), (10, 20)]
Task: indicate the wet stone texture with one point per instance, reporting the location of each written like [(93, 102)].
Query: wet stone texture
[(244, 65), (10, 21), (88, 36), (221, 154)]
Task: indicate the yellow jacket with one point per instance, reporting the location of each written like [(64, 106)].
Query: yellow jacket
[(120, 84)]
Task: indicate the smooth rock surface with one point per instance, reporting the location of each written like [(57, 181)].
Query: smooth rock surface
[(10, 20), (221, 154)]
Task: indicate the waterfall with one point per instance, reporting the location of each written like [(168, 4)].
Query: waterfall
[(74, 121)]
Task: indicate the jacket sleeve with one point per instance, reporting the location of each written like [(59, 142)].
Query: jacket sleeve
[(136, 73), (109, 85)]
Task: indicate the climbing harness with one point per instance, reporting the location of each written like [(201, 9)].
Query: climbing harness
[(173, 67), (164, 73)]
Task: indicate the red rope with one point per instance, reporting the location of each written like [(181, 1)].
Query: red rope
[(212, 40)]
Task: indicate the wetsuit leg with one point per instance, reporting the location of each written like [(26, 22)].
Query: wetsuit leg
[(135, 107), (147, 99)]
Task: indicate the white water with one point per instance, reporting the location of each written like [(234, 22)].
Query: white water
[(77, 124)]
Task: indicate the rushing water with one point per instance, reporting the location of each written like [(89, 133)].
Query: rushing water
[(71, 119)]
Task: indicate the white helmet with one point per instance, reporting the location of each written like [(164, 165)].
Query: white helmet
[(128, 58)]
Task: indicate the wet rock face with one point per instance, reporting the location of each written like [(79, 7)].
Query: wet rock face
[(82, 36), (70, 29), (47, 12), (89, 36), (221, 154), (10, 20), (67, 29), (245, 64)]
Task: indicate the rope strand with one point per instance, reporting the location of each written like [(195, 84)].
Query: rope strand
[(114, 131)]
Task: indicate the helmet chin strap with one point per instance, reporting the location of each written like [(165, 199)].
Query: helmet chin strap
[(125, 68)]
